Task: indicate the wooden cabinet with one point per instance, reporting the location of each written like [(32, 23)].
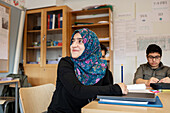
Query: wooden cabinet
[(100, 21), (45, 42)]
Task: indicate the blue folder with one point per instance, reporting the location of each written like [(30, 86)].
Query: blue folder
[(157, 103)]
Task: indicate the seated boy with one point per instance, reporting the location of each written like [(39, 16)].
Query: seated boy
[(153, 71)]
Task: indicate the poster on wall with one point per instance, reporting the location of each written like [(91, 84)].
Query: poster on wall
[(125, 43), (17, 3), (160, 4), (4, 37), (160, 11), (144, 24)]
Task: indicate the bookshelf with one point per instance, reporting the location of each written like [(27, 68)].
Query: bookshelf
[(98, 20), (46, 37)]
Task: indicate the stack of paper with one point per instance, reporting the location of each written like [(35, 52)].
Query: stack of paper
[(136, 87), (139, 88)]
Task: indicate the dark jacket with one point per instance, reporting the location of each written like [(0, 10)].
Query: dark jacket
[(7, 91), (70, 95)]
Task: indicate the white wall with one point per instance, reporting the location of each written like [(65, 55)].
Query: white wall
[(133, 7)]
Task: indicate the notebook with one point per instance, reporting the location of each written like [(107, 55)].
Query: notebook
[(160, 85), (157, 103), (132, 96)]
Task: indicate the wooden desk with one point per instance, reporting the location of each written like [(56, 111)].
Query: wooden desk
[(94, 107), (16, 81)]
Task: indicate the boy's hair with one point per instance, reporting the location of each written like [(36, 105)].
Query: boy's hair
[(103, 47), (153, 48)]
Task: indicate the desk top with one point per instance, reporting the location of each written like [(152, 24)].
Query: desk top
[(9, 81), (94, 107)]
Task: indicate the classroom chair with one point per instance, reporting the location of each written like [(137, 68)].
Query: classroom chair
[(7, 98), (5, 101), (36, 99)]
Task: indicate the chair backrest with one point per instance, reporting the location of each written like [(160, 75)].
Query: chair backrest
[(36, 99)]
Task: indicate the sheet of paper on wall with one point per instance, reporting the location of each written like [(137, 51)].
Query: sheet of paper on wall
[(119, 41), (161, 16), (160, 11), (144, 24), (160, 4), (125, 43)]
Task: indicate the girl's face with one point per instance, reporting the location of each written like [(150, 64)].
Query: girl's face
[(77, 47)]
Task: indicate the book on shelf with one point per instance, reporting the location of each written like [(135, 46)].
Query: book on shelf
[(98, 7), (103, 22), (61, 20), (104, 39), (48, 21), (58, 20), (82, 23), (53, 22)]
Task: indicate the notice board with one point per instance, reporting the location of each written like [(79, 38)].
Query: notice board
[(5, 12)]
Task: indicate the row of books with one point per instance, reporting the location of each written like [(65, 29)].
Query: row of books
[(98, 7), (88, 23), (54, 21)]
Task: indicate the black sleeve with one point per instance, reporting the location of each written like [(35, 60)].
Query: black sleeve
[(75, 88), (108, 78)]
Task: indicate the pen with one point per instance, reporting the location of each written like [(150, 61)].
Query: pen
[(122, 73), (165, 90)]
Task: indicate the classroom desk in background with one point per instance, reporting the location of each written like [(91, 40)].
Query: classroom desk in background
[(94, 107), (16, 81)]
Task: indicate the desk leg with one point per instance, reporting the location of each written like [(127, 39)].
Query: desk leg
[(16, 97)]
